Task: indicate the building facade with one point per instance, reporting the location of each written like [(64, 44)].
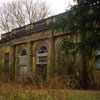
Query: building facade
[(30, 49)]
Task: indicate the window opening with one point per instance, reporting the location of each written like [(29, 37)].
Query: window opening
[(7, 61), (42, 55), (23, 53)]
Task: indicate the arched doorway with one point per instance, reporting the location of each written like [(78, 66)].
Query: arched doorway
[(22, 62), (66, 59), (41, 62)]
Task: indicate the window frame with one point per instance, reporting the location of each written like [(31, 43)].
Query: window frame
[(40, 56)]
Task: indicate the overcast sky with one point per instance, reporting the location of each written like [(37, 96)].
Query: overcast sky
[(58, 6)]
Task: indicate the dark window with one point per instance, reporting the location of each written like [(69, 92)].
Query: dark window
[(7, 61), (43, 49), (23, 53)]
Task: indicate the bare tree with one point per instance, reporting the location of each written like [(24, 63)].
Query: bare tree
[(4, 18), (16, 14), (21, 12), (36, 10)]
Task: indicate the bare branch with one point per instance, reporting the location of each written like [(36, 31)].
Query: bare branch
[(21, 12)]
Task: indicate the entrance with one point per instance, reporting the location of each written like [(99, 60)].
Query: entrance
[(41, 63), (42, 71)]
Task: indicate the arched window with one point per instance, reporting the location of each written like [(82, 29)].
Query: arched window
[(23, 53), (65, 60), (42, 55), (43, 49), (65, 51), (22, 61)]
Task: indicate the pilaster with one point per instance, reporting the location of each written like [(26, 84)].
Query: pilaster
[(12, 63), (29, 56), (51, 58)]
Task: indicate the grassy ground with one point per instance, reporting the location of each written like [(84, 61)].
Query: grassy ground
[(13, 91)]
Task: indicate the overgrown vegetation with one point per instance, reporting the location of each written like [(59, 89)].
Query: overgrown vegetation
[(82, 23), (83, 27), (13, 91)]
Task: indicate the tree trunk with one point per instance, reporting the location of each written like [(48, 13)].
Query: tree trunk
[(83, 69)]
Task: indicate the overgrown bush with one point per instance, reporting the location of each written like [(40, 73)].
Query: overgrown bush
[(66, 69), (66, 75)]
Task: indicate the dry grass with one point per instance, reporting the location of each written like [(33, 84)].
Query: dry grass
[(14, 91)]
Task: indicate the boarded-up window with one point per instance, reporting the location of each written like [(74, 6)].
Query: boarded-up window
[(23, 70), (23, 62)]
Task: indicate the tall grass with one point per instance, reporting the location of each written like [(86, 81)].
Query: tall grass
[(29, 91)]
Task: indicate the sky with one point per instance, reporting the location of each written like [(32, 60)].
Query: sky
[(58, 6)]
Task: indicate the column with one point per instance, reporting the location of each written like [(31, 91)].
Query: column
[(12, 63), (29, 56), (34, 64), (51, 58)]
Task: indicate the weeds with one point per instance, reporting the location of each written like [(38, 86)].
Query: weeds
[(28, 91)]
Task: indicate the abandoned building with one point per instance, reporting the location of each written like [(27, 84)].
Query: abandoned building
[(29, 49)]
